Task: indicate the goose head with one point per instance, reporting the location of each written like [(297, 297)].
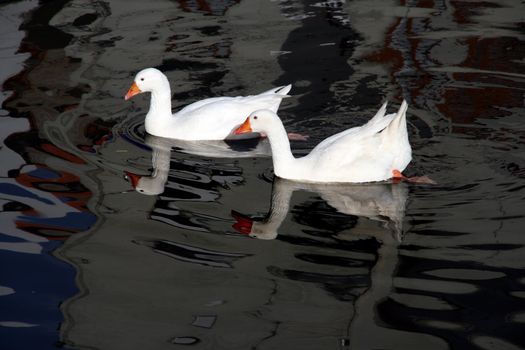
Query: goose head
[(147, 80), (147, 185), (260, 229), (262, 121)]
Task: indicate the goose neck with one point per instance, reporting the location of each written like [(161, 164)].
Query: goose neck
[(160, 104), (283, 158)]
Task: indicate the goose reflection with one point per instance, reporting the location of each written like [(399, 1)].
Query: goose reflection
[(176, 181), (382, 202), (161, 157)]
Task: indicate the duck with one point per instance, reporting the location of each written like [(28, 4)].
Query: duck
[(210, 119), (376, 151)]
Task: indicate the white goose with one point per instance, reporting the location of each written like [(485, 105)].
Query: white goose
[(376, 151), (209, 119)]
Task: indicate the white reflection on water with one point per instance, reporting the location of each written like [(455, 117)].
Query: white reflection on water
[(161, 158), (383, 202)]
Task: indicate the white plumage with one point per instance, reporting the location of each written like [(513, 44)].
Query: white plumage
[(209, 119), (371, 152)]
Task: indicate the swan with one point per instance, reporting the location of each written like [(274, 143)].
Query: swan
[(209, 119), (376, 151)]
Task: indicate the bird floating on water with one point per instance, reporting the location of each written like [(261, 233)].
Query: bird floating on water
[(210, 119), (376, 151)]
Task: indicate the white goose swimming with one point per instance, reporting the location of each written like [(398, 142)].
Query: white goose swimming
[(209, 119), (376, 151)]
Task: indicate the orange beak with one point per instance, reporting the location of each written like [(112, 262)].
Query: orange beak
[(243, 224), (133, 90), (244, 128), (133, 178)]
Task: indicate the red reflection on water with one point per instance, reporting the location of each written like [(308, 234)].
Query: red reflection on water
[(477, 86), (63, 198)]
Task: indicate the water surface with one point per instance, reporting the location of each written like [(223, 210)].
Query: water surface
[(208, 249)]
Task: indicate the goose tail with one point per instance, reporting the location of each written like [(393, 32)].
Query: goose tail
[(398, 124), (401, 117), (282, 91), (379, 114)]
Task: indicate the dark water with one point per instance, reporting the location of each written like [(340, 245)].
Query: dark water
[(212, 252)]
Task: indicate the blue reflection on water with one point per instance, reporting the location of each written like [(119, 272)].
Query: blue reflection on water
[(46, 282), (14, 190), (71, 221)]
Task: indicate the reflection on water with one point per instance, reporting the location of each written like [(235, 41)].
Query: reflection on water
[(161, 161), (193, 255), (191, 180), (383, 202), (93, 263)]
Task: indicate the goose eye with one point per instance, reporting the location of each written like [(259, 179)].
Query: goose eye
[(254, 117), (142, 79)]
